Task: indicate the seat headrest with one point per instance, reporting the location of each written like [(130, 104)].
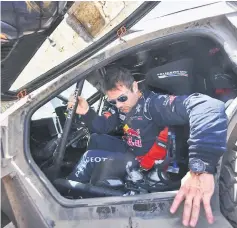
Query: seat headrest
[(173, 77)]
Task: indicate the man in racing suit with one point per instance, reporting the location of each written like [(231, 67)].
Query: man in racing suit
[(143, 115)]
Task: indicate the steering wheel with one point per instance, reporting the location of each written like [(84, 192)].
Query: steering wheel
[(63, 141)]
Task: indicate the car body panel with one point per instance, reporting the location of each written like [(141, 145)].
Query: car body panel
[(167, 24), (133, 211)]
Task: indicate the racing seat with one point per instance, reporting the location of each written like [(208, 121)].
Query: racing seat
[(223, 85), (174, 77), (178, 78)]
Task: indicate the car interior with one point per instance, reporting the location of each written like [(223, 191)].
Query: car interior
[(192, 65)]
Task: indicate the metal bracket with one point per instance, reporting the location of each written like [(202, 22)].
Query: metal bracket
[(121, 32), (22, 94)]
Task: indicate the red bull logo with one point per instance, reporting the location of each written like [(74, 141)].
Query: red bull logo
[(131, 134), (130, 131)]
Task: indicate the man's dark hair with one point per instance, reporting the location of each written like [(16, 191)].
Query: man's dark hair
[(114, 75)]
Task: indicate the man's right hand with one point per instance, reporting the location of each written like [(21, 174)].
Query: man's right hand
[(82, 107)]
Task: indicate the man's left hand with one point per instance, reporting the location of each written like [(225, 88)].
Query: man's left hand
[(195, 189)]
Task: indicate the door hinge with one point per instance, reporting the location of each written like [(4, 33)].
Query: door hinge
[(121, 32), (22, 94)]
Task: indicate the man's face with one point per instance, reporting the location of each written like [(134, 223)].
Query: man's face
[(121, 93)]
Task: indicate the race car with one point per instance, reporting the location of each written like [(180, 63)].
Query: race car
[(42, 140)]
